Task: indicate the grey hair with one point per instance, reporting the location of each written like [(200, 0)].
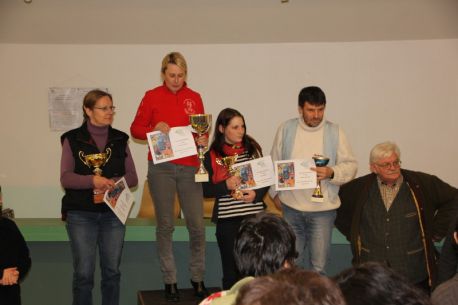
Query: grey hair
[(384, 150)]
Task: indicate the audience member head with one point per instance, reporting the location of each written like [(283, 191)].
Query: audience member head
[(291, 286), (264, 244), (375, 284)]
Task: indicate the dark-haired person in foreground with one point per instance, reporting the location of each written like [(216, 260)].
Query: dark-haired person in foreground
[(447, 292), (291, 286), (14, 261), (264, 244), (395, 215), (374, 283)]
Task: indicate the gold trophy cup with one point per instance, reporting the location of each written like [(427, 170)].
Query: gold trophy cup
[(320, 161), (96, 161), (200, 124), (228, 163)]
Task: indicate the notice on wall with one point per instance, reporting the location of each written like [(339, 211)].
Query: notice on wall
[(65, 107)]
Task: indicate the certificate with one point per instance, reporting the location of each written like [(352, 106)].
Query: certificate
[(294, 174), (120, 199), (256, 173), (178, 143)]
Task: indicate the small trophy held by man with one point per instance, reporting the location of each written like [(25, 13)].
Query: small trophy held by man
[(200, 124), (320, 161), (96, 161), (228, 162)]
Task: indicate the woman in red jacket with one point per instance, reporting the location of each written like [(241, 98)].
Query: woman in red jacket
[(163, 107)]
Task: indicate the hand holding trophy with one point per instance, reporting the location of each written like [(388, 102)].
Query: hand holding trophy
[(320, 161), (96, 161), (228, 163), (200, 124)]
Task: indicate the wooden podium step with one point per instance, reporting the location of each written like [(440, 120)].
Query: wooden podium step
[(156, 297)]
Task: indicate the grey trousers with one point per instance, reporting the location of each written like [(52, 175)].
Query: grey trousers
[(166, 179)]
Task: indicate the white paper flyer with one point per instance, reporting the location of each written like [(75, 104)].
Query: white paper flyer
[(120, 199), (294, 174), (178, 143), (256, 173)]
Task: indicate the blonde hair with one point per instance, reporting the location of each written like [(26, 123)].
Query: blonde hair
[(384, 150), (174, 58)]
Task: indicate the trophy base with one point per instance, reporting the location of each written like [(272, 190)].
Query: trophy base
[(201, 177), (317, 199)]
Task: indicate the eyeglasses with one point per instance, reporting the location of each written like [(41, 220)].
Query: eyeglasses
[(106, 108), (387, 165)]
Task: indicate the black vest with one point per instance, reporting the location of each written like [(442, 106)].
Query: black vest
[(80, 141), (393, 236)]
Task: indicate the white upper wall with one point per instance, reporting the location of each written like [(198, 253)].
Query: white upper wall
[(224, 21)]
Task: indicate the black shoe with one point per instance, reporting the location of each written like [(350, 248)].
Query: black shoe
[(171, 293), (199, 289)]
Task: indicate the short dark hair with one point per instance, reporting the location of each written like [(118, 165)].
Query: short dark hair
[(291, 286), (263, 244), (374, 283), (312, 95)]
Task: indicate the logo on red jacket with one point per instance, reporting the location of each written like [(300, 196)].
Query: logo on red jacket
[(189, 106)]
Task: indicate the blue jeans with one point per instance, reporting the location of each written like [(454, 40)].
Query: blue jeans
[(313, 232), (86, 231)]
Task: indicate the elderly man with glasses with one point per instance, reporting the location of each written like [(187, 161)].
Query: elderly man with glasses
[(395, 215)]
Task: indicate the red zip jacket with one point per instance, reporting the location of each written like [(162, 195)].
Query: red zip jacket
[(161, 104)]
